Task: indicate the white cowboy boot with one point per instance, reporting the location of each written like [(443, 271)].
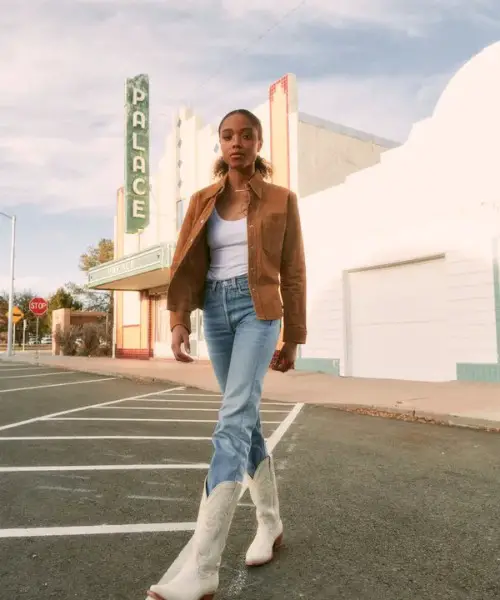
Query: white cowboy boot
[(198, 575), (178, 563), (264, 493)]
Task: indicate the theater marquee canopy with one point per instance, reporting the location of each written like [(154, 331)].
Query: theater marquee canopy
[(144, 270)]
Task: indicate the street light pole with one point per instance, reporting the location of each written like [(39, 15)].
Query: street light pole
[(11, 290)]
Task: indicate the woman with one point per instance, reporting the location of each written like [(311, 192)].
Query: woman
[(240, 258)]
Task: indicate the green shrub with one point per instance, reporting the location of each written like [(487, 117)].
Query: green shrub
[(67, 341)]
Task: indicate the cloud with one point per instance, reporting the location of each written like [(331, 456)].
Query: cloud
[(61, 142), (410, 16)]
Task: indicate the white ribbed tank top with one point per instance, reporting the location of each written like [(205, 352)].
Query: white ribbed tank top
[(228, 243)]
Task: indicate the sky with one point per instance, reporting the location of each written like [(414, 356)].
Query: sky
[(375, 65)]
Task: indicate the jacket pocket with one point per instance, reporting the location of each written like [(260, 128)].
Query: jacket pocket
[(273, 232)]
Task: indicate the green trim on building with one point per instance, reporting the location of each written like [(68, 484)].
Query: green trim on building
[(487, 372), (478, 372), (156, 257), (331, 366)]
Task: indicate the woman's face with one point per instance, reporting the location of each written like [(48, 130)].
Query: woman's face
[(239, 141)]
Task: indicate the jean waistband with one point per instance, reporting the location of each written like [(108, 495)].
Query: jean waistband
[(231, 283)]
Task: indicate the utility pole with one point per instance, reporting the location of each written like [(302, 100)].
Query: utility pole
[(11, 290)]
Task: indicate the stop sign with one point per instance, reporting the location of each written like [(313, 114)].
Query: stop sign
[(38, 306)]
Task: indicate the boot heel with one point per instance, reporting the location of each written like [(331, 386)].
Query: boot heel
[(278, 542), (156, 597)]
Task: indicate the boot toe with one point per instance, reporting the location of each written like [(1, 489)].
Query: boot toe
[(259, 554), (261, 550)]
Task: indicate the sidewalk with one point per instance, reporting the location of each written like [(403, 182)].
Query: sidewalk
[(466, 404)]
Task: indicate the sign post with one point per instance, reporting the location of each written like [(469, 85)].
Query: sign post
[(38, 306), (137, 153), (14, 316), (25, 325), (10, 324)]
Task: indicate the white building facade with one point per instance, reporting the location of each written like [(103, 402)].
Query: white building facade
[(403, 257)]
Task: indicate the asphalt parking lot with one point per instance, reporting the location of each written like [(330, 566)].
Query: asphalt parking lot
[(100, 482)]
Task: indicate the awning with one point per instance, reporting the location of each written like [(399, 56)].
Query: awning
[(144, 270)]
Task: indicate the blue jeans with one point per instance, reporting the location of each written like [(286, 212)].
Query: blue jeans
[(240, 347)]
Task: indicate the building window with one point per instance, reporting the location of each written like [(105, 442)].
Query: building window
[(201, 329), (179, 213), (194, 324), (197, 331)]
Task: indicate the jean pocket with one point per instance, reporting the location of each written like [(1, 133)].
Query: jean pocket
[(244, 288)]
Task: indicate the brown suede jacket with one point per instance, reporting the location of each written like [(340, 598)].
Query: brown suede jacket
[(276, 262)]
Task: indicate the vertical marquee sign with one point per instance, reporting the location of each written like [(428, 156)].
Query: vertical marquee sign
[(137, 153)]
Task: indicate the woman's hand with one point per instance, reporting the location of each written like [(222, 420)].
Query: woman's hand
[(285, 358), (180, 335)]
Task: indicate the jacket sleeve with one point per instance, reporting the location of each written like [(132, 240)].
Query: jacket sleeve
[(183, 317), (293, 277)]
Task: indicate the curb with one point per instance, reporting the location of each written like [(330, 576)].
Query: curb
[(413, 416), (400, 414)]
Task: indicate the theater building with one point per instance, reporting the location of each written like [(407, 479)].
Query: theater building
[(309, 155)]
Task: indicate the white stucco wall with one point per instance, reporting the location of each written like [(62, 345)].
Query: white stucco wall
[(328, 153), (438, 193)]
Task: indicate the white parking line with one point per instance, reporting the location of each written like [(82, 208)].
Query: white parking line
[(17, 369), (146, 420), (197, 395), (272, 442), (179, 409), (39, 387), (218, 402), (69, 468), (180, 438), (80, 408), (277, 435), (37, 375), (95, 530)]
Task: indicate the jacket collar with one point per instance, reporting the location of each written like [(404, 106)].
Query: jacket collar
[(256, 184)]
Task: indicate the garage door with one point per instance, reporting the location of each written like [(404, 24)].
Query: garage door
[(397, 322)]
